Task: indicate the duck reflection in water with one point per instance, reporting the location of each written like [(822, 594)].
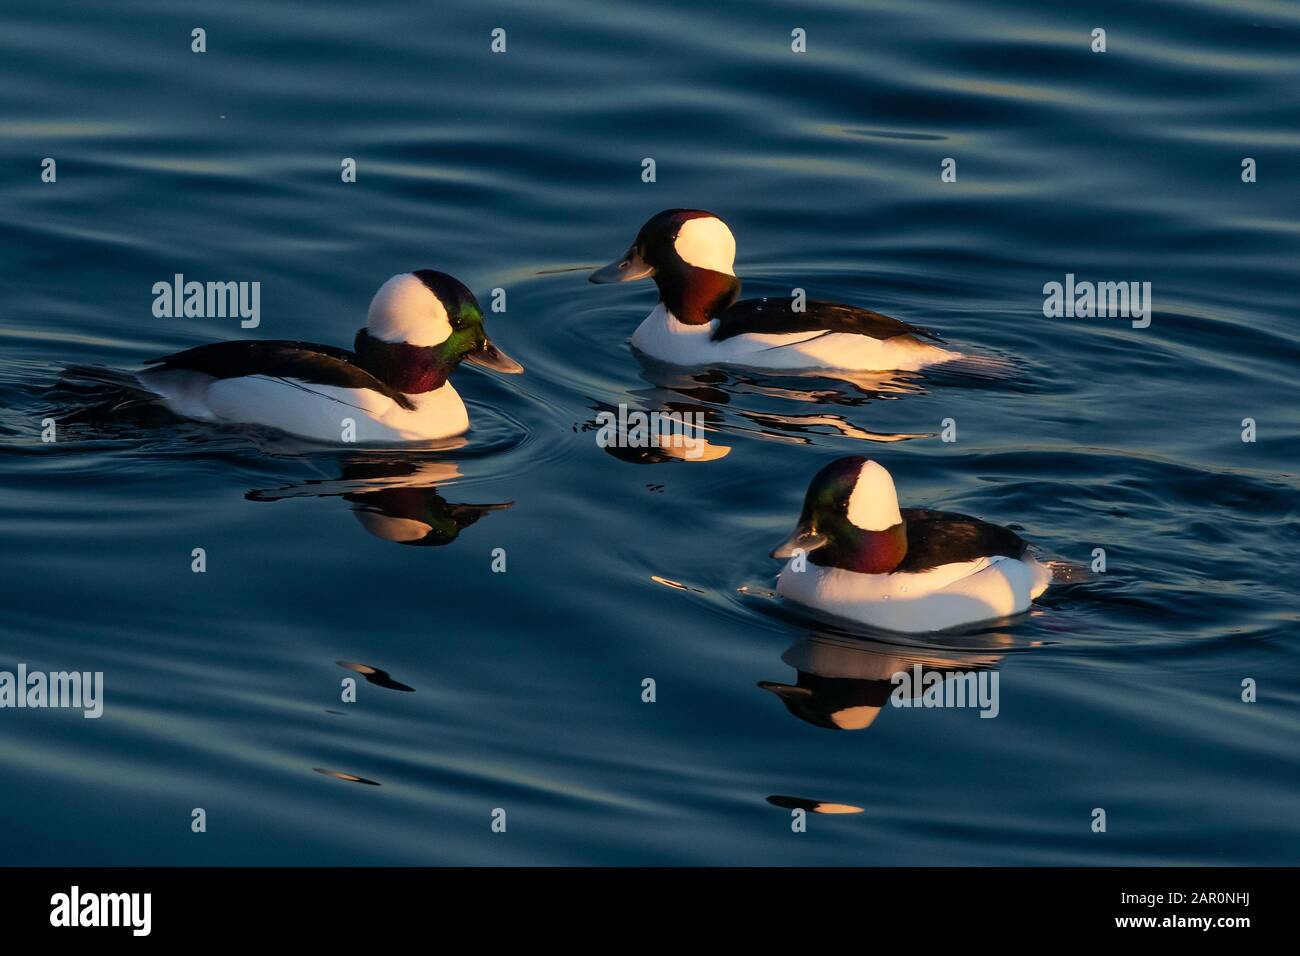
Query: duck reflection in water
[(843, 683), (395, 499), (648, 434), (815, 386), (744, 394)]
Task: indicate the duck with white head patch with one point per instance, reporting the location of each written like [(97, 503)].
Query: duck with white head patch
[(690, 255), (392, 387), (856, 555)]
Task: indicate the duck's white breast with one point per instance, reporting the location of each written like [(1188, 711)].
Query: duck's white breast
[(950, 595), (661, 336)]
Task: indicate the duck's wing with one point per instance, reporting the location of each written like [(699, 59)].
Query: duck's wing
[(935, 538), (778, 317), (301, 361)]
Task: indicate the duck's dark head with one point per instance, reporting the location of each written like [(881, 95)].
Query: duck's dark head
[(690, 254), (850, 519), (420, 326)]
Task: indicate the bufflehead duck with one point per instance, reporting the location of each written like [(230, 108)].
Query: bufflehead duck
[(689, 253), (393, 386), (913, 570)]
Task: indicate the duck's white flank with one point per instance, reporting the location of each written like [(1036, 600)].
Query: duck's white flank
[(661, 336), (950, 595), (406, 310), (312, 411), (707, 243)]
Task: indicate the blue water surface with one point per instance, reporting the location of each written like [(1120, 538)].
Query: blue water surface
[(521, 170)]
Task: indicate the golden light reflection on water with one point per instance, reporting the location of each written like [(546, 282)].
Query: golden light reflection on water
[(70, 129), (813, 806), (350, 777), (676, 585)]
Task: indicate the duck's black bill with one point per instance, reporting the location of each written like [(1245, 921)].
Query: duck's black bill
[(785, 691), (801, 540), (489, 356), (629, 268)]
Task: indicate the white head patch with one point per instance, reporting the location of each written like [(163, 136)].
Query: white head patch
[(873, 506), (855, 718), (393, 529), (405, 310), (707, 244)]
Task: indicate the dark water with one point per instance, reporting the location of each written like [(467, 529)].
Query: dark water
[(1120, 691)]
